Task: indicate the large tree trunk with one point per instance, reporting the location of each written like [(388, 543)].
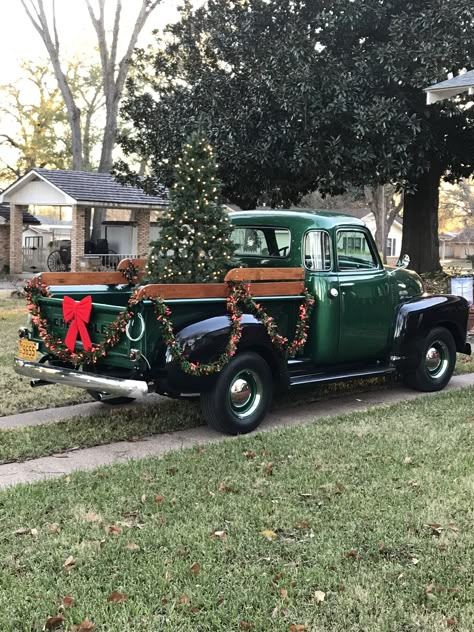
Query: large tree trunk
[(420, 222)]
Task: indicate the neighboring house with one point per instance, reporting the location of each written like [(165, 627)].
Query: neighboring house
[(456, 245)]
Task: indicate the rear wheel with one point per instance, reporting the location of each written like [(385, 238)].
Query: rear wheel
[(436, 366), (241, 396)]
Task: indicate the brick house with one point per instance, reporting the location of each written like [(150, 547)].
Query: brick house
[(81, 191)]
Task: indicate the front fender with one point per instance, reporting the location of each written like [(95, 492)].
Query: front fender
[(206, 340), (416, 317)]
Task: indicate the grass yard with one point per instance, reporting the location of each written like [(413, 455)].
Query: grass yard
[(362, 522)]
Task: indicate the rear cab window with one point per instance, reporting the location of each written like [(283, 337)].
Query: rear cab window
[(262, 241)]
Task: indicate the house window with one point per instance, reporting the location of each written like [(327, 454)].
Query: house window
[(391, 248), (34, 243)]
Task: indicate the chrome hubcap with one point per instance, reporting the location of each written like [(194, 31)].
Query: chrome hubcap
[(437, 359), (245, 393)]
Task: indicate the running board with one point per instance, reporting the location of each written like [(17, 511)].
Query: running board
[(324, 378)]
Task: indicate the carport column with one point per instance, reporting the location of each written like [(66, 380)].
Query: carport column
[(143, 232), (77, 236), (16, 231)]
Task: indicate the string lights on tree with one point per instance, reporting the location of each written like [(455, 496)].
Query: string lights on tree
[(195, 244)]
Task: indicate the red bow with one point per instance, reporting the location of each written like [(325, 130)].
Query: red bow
[(79, 313)]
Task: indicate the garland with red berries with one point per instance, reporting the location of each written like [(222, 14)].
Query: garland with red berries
[(239, 297)]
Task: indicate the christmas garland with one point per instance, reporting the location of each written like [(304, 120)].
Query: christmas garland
[(239, 297), (131, 272)]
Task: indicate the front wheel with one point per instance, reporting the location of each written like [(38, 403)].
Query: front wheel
[(436, 366), (241, 395)]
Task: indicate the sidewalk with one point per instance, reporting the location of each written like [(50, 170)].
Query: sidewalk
[(90, 458)]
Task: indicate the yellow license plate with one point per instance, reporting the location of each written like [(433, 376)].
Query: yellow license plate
[(27, 349)]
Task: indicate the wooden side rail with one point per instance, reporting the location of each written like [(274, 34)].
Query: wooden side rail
[(219, 290), (265, 274), (263, 282), (82, 278)]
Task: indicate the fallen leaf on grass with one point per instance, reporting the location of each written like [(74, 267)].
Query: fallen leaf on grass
[(353, 554), (297, 627), (183, 599), (245, 625), (196, 568), (415, 560), (339, 489), (159, 499), (182, 552), (222, 487), (114, 530), (269, 469), (319, 596), (54, 622), (304, 524), (68, 601), (92, 516), (451, 622), (407, 460), (117, 597), (219, 535), (194, 610), (69, 563), (85, 626), (146, 476), (143, 498), (53, 527), (270, 535), (430, 588), (283, 593), (23, 531), (250, 454), (131, 546)]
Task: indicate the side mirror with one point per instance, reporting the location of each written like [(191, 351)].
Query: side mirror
[(403, 262)]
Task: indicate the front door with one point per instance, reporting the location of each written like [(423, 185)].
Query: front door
[(366, 311)]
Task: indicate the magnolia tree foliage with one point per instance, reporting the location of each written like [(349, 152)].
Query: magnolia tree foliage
[(194, 245), (299, 95)]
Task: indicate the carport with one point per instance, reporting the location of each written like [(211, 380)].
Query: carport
[(82, 191)]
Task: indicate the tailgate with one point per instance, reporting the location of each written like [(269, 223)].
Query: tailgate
[(102, 315)]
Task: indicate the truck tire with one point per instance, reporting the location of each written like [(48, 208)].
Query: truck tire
[(436, 366), (241, 395)]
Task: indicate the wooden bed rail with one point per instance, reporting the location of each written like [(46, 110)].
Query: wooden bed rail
[(262, 281)]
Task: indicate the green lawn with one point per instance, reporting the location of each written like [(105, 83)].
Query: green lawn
[(362, 522)]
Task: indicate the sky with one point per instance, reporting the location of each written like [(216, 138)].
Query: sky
[(19, 39)]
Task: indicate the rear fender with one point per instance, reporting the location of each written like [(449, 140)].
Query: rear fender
[(206, 340), (416, 317)]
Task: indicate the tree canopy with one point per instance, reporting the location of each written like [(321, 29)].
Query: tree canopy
[(298, 95)]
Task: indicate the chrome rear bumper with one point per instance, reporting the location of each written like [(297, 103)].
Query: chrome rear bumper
[(80, 379)]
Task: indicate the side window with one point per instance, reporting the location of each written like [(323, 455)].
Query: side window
[(354, 251), (317, 251), (261, 242)]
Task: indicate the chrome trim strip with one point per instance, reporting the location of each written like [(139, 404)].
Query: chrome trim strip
[(80, 379)]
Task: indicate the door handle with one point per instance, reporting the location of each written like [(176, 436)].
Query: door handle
[(348, 284), (333, 293)]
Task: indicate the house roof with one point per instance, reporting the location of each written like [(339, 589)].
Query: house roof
[(450, 87), (28, 218), (87, 188)]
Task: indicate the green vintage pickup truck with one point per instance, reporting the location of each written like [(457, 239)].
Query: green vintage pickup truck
[(368, 320)]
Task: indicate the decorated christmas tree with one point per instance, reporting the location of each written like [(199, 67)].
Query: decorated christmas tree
[(194, 245)]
